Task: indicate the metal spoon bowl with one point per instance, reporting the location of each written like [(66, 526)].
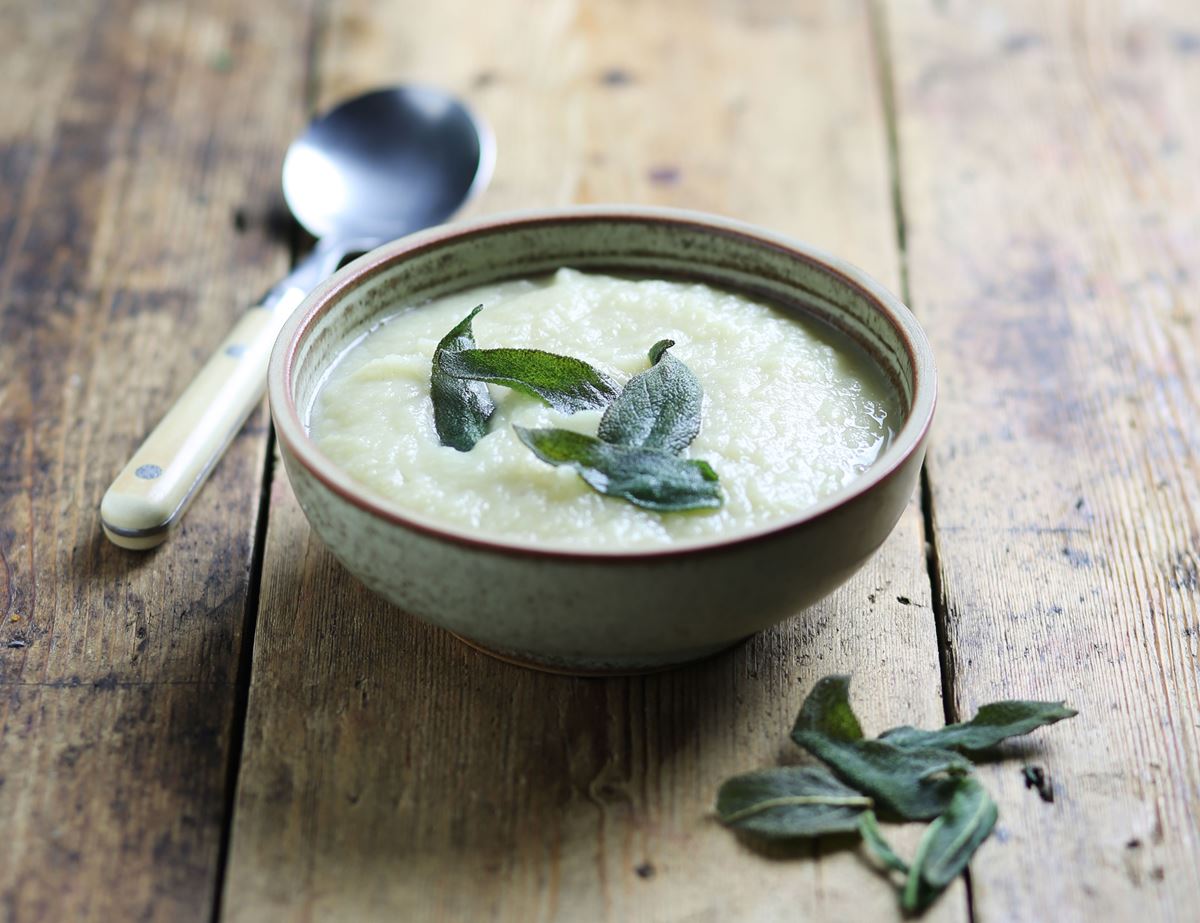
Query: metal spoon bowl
[(377, 167), (398, 159)]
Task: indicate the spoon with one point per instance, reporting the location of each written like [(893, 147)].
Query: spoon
[(374, 168)]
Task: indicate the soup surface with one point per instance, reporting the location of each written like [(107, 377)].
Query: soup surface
[(792, 410)]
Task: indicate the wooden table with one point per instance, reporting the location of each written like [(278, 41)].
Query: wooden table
[(231, 728)]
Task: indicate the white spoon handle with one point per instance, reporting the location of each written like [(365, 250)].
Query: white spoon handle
[(151, 493)]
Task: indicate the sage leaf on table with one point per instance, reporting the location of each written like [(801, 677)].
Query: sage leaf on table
[(645, 477), (790, 801), (991, 724), (948, 843), (915, 783), (868, 826), (827, 710), (917, 775), (461, 408), (658, 408), (563, 382)]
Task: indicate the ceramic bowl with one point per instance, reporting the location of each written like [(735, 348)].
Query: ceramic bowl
[(586, 611)]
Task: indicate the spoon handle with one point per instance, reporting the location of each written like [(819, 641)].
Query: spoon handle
[(152, 491)]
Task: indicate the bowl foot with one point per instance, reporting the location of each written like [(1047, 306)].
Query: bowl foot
[(596, 666)]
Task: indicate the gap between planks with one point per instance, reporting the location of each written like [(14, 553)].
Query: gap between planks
[(237, 732), (241, 702), (937, 599)]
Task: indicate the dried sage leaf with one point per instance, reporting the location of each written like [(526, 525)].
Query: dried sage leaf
[(868, 826), (789, 802), (913, 782), (948, 843), (991, 724)]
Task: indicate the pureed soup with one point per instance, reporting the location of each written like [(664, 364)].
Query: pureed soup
[(791, 410)]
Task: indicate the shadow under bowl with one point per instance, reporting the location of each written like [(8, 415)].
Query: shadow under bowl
[(593, 611)]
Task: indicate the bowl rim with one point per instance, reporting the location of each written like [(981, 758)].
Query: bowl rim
[(293, 435)]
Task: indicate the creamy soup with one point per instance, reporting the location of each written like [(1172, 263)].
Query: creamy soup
[(792, 411)]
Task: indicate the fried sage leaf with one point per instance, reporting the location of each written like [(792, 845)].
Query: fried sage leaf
[(461, 408), (948, 844), (645, 477), (565, 383), (915, 783), (991, 724), (658, 408), (789, 802)]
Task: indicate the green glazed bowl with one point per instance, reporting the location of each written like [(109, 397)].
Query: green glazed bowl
[(586, 611)]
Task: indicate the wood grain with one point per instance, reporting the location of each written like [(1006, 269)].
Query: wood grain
[(1049, 158), (391, 773), (131, 135)]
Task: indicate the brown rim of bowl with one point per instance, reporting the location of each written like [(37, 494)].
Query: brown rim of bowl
[(292, 433)]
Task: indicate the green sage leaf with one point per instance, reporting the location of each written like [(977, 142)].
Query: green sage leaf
[(790, 802), (991, 724), (914, 784), (645, 477), (909, 781), (461, 409), (868, 826), (658, 408), (563, 382), (827, 710), (949, 843), (905, 775)]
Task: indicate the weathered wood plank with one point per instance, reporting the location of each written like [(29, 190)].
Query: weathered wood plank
[(391, 773), (131, 134), (1049, 155)]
